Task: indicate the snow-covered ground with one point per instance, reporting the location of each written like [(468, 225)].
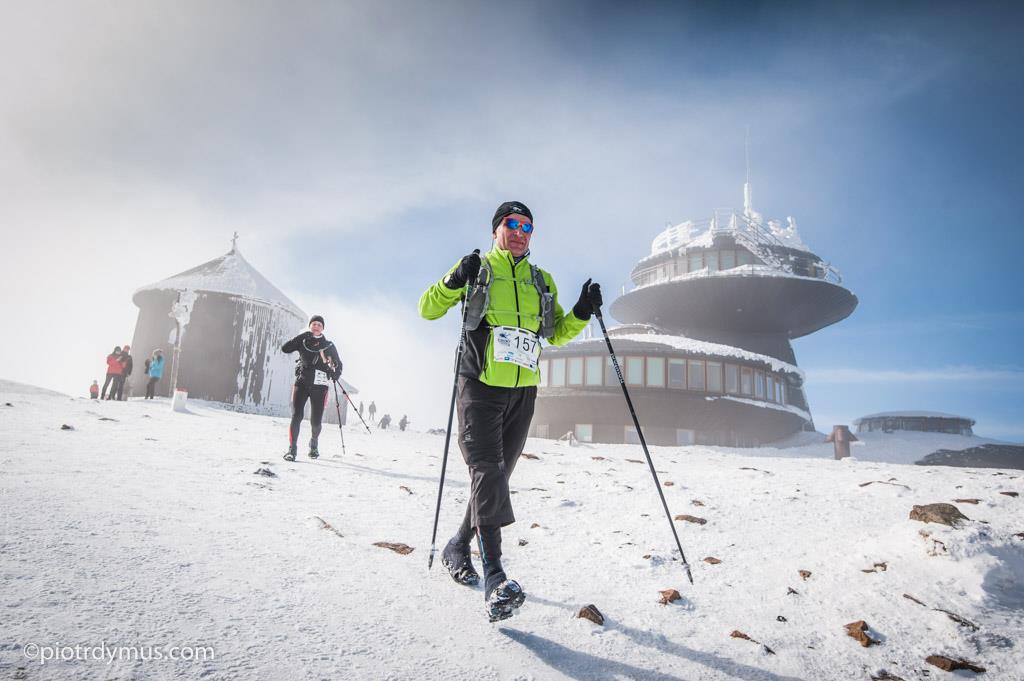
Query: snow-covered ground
[(152, 529)]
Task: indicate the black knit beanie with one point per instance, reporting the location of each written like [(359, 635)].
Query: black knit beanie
[(508, 208), (316, 318)]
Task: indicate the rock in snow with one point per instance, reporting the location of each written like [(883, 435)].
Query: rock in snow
[(590, 612), (397, 547), (859, 632), (945, 514), (950, 665), (669, 596)]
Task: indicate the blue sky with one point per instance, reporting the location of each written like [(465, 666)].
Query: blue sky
[(360, 149)]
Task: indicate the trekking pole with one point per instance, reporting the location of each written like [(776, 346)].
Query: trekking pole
[(337, 407), (643, 442), (337, 384), (451, 413)]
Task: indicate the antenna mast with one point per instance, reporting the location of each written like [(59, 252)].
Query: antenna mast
[(748, 201)]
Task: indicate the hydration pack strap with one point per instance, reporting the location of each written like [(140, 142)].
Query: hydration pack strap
[(547, 303), (479, 299)]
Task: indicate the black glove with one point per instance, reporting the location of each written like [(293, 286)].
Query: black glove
[(590, 300), (466, 272)]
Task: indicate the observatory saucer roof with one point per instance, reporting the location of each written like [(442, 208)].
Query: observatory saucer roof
[(912, 415), (230, 274)]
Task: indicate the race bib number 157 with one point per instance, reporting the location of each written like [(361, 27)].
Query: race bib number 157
[(516, 346)]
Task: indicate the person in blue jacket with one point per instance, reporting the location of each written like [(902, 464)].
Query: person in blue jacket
[(156, 371)]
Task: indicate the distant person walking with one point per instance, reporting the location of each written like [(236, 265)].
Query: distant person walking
[(156, 372), (360, 409), (385, 422), (373, 411), (126, 361), (317, 366), (94, 390), (403, 424), (114, 369)]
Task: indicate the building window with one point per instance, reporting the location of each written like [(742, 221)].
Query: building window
[(681, 266), (677, 373), (727, 260), (630, 437), (696, 261), (759, 384), (655, 372), (771, 388), (714, 377), (584, 432), (732, 379), (542, 367), (782, 392), (746, 381), (684, 436), (557, 372), (593, 370), (635, 370), (711, 259), (609, 372), (575, 371), (695, 375)]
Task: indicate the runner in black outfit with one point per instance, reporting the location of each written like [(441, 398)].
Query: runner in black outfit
[(317, 365)]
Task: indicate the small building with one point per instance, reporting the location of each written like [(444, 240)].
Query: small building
[(919, 421), (220, 326)]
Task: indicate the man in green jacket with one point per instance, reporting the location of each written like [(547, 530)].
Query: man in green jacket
[(510, 305)]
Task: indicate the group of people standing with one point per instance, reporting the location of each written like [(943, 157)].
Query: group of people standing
[(119, 367)]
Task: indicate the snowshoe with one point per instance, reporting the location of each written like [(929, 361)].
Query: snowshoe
[(504, 600), (456, 558), (290, 454)]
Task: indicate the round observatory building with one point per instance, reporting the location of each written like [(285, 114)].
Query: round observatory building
[(705, 345), (220, 326), (920, 421)]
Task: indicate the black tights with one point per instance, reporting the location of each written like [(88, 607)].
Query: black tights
[(111, 383), (317, 397), (151, 387)]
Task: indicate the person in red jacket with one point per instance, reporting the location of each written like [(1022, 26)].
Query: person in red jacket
[(94, 390), (126, 370), (114, 369)]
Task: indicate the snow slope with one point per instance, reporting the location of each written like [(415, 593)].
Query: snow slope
[(153, 530)]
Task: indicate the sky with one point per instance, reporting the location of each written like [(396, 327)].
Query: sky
[(360, 149)]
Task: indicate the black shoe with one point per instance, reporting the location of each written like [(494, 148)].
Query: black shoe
[(456, 558), (314, 453), (290, 454), (504, 600)]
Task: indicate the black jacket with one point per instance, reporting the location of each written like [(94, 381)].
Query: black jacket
[(128, 363), (310, 360)]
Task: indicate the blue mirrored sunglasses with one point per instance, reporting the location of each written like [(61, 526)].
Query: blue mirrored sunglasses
[(513, 224)]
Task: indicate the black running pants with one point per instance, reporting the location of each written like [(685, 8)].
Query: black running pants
[(317, 397), (493, 424)]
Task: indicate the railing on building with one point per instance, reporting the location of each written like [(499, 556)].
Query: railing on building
[(749, 234)]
